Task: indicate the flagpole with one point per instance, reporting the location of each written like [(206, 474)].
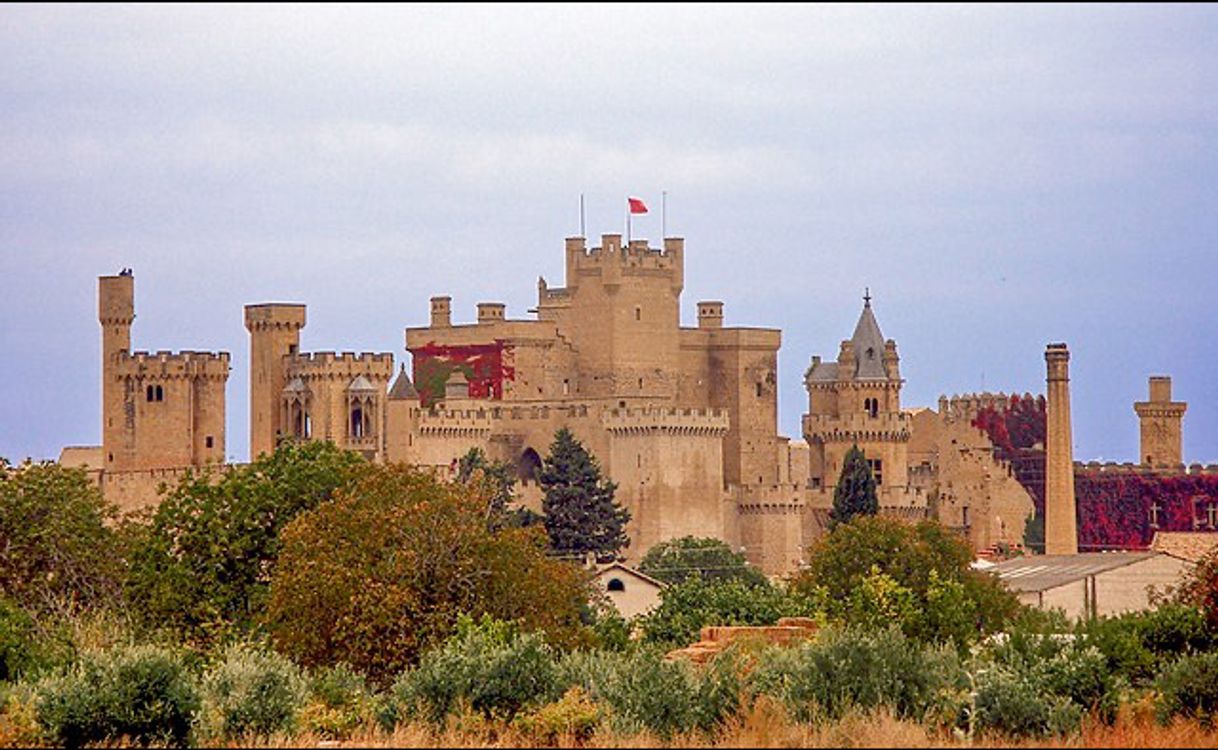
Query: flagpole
[(627, 222), (663, 216), (581, 215)]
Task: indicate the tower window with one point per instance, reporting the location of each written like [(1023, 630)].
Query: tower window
[(152, 393), (160, 393), (292, 348), (877, 469), (759, 390), (640, 382), (638, 313), (208, 441)]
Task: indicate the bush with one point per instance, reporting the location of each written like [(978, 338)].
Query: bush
[(251, 692), (859, 669), (710, 559), (339, 702), (487, 666), (643, 691), (686, 607), (144, 693), (19, 717), (18, 649), (1189, 686), (573, 717), (1011, 703), (395, 561)]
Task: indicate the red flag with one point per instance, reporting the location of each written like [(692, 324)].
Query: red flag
[(637, 206)]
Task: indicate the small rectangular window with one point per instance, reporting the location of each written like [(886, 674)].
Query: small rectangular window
[(208, 441)]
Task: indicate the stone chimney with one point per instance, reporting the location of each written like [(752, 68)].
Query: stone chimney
[(1061, 521), (441, 312)]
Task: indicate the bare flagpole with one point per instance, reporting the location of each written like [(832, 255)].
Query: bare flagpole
[(663, 215), (581, 215)]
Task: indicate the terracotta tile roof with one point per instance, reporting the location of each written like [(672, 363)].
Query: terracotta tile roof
[(1186, 545)]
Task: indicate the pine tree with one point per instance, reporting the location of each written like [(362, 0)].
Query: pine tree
[(855, 494), (580, 513)]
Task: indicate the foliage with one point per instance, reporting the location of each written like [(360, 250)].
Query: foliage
[(855, 492), (643, 691), (486, 367), (488, 666), (864, 568), (676, 560), (205, 561), (1011, 703), (853, 668), (496, 479), (574, 717), (610, 631), (1189, 686), (1200, 589), (143, 692), (394, 561), (339, 702), (18, 644), (580, 511), (1137, 644), (56, 549), (686, 607), (19, 725), (251, 692)]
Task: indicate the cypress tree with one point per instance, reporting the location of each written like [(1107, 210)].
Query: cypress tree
[(855, 494), (580, 513)]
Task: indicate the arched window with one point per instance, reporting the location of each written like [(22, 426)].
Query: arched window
[(615, 584), (160, 393), (151, 393), (357, 422)]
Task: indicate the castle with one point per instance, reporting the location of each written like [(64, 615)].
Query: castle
[(683, 419)]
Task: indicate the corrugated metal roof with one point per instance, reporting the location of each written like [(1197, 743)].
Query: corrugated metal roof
[(1043, 572)]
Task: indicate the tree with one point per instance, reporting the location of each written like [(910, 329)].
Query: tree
[(56, 548), (203, 561), (953, 601), (855, 492), (496, 479), (383, 572), (707, 558), (1200, 588), (581, 514), (686, 607)]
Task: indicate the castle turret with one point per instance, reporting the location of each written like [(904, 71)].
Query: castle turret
[(115, 312), (1061, 524), (274, 334), (1159, 421)]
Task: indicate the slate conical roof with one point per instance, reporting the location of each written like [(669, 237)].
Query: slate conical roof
[(869, 345), (402, 387), (361, 384)]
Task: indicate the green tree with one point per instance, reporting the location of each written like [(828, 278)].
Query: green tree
[(686, 607), (855, 493), (383, 572), (497, 480), (581, 514), (1200, 589), (953, 601), (56, 548), (707, 558), (203, 562)]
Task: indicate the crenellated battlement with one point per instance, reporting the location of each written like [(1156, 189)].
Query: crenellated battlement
[(614, 259), (1113, 467), (346, 364), (966, 406), (858, 427), (168, 364), (679, 421)]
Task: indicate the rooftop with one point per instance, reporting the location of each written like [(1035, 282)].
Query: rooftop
[(1043, 572)]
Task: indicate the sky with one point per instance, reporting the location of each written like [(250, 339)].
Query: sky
[(999, 177)]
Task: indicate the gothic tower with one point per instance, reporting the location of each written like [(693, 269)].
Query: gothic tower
[(116, 312), (274, 334), (1061, 523)]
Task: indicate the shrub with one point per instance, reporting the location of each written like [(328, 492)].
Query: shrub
[(251, 692), (643, 691), (863, 669), (488, 666), (339, 702), (710, 559), (574, 717), (18, 649), (19, 717), (395, 561), (1189, 686), (1009, 702), (686, 607), (144, 693)]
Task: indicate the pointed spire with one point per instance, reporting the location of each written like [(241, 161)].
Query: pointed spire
[(402, 387), (869, 344)]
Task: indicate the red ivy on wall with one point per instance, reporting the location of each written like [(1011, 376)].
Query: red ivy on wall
[(486, 367), (1114, 507)]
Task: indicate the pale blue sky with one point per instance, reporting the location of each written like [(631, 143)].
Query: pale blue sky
[(1001, 177)]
